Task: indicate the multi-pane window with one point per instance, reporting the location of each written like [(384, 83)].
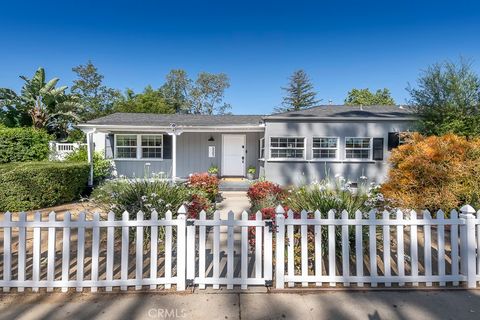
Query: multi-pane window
[(152, 146), (126, 146), (262, 148), (325, 148), (358, 148), (282, 147)]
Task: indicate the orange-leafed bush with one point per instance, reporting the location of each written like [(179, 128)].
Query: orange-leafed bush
[(436, 172), (263, 194), (205, 182)]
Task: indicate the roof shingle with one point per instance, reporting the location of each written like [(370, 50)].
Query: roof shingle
[(149, 119), (342, 111)]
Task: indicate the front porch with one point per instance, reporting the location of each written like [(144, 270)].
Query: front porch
[(179, 153)]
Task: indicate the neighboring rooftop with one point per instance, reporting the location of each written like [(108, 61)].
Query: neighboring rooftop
[(342, 111), (149, 119)]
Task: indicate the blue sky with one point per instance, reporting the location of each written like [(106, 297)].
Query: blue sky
[(341, 45)]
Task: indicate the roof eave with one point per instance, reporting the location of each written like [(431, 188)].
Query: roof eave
[(113, 127), (342, 118)]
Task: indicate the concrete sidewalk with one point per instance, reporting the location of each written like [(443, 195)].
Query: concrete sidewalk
[(451, 304)]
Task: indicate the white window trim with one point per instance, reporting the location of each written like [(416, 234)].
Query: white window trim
[(369, 159), (138, 147), (337, 153), (149, 147), (116, 146), (286, 159), (260, 149)]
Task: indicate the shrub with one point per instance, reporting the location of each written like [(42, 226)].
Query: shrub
[(213, 169), (206, 183), (147, 195), (101, 166), (436, 172), (33, 185), (336, 194), (23, 144), (264, 194)]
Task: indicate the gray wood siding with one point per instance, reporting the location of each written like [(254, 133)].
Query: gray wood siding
[(141, 169), (192, 156), (307, 171)]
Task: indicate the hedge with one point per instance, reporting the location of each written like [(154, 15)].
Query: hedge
[(34, 185), (23, 144)]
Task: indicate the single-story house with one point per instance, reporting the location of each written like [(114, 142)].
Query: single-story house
[(287, 148)]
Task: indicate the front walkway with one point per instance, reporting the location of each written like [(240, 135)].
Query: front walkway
[(371, 305), (237, 202)]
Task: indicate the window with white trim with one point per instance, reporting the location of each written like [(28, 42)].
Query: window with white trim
[(126, 146), (261, 148), (325, 148), (358, 148), (287, 148), (152, 146)]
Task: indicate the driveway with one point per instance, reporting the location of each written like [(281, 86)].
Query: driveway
[(438, 304)]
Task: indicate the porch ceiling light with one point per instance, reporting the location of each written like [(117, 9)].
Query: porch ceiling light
[(211, 138)]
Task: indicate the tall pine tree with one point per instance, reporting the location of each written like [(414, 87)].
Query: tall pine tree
[(300, 93)]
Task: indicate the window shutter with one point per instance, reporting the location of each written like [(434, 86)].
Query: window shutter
[(393, 140), (167, 146), (109, 146), (378, 149)]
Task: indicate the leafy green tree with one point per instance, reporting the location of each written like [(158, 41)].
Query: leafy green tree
[(300, 93), (447, 99), (176, 90), (208, 93), (97, 98), (364, 97), (48, 106), (149, 101)]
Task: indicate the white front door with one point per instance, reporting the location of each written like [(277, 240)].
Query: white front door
[(233, 154)]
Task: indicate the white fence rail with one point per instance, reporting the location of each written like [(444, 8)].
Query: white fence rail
[(258, 256), (91, 253), (311, 249), (60, 150), (370, 249)]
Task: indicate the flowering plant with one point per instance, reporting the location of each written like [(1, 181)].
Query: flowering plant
[(263, 194), (206, 183)]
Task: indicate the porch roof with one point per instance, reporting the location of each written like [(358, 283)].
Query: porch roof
[(185, 120)]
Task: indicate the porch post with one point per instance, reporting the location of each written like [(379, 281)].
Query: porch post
[(174, 132), (174, 156), (90, 157)]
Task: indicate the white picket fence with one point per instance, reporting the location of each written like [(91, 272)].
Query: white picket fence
[(73, 239), (322, 250), (353, 269)]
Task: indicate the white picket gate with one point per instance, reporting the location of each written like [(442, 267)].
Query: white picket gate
[(93, 252), (260, 256)]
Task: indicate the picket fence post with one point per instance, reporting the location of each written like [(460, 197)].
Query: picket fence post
[(181, 247), (280, 248), (468, 247)]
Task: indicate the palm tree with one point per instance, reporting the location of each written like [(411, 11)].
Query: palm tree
[(48, 107)]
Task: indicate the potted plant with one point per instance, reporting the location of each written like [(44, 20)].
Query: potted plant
[(251, 172), (213, 170)]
